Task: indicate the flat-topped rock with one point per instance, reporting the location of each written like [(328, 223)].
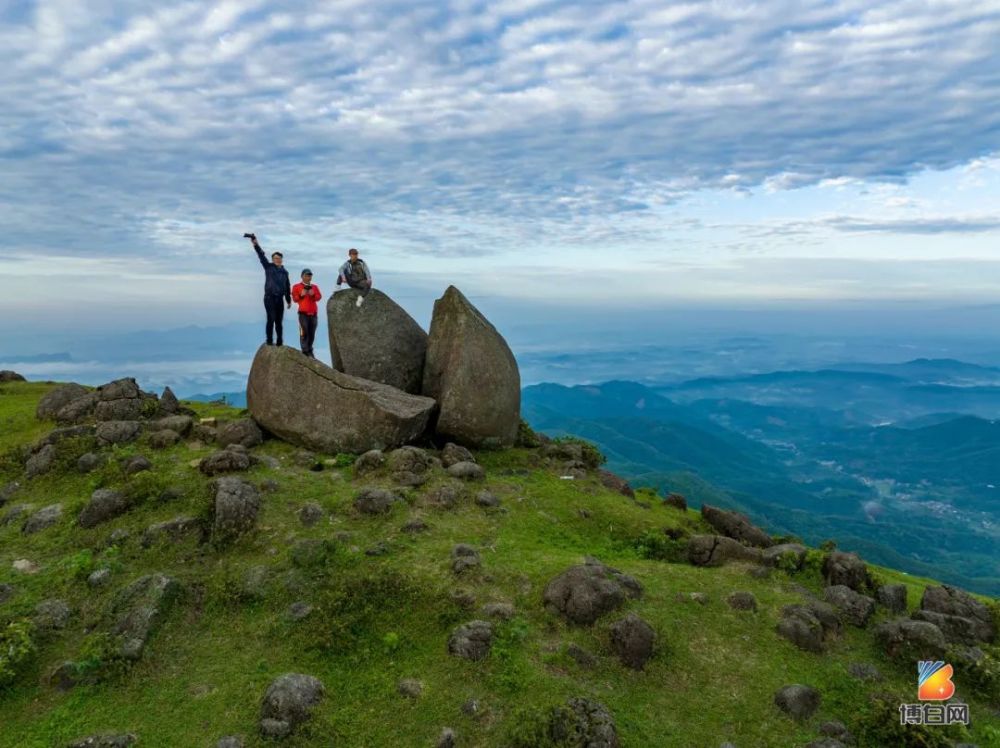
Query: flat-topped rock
[(309, 404), (377, 341), (471, 372)]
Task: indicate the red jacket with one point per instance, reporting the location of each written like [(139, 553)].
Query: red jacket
[(307, 304)]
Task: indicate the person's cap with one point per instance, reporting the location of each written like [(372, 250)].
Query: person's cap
[(307, 271), (277, 254), (352, 251)]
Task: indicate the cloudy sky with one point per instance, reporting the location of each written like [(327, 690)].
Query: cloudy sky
[(636, 152)]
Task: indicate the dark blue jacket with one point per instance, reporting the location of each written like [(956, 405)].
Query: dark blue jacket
[(275, 278)]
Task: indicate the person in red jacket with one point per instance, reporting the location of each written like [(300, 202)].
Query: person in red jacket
[(306, 294)]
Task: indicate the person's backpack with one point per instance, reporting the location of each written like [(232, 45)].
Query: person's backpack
[(356, 271)]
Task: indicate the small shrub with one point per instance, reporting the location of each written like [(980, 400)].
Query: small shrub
[(17, 645), (526, 436), (510, 673), (98, 659), (660, 547), (982, 675), (878, 724), (530, 728), (343, 460), (828, 546), (145, 486), (592, 456)]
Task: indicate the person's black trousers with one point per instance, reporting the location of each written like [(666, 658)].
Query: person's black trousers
[(275, 308), (364, 288), (307, 332)]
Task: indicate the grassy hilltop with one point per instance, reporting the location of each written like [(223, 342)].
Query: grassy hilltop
[(385, 600)]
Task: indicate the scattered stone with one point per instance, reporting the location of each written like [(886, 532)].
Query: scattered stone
[(163, 439), (52, 614), (181, 425), (911, 640), (327, 410), (464, 557), (15, 513), (789, 556), (808, 626), (615, 483), (120, 400), (846, 569), (699, 597), (311, 513), (487, 499), (299, 611), (856, 609), (117, 432), (742, 601), (471, 640), (118, 537), (232, 459), (864, 671), (25, 566), (6, 592), (716, 550), (65, 676), (676, 501), (43, 519), (8, 491), (312, 553), (376, 501), (61, 434), (467, 471), (736, 526), (105, 504), (90, 462), (415, 525), (632, 640), (408, 460), (501, 611), (463, 599), (471, 708), (41, 462), (105, 741), (892, 597), (584, 593), (837, 730), (269, 485), (253, 585), (230, 741), (370, 462), (99, 577), (581, 656), (381, 548), (203, 433), (583, 723), (172, 529), (234, 509), (138, 610), (409, 480), (137, 464), (950, 603), (447, 738), (169, 402), (797, 701), (447, 495), (453, 453), (410, 687), (242, 431), (288, 702), (56, 399)]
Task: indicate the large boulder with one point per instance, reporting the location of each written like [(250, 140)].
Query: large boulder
[(42, 519), (911, 640), (309, 404), (378, 341), (471, 372), (59, 397), (122, 400), (104, 504), (736, 526), (856, 608), (586, 592), (847, 569), (797, 701), (583, 723), (717, 550), (943, 605), (632, 639), (10, 376)]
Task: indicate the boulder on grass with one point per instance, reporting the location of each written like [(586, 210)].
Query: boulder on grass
[(472, 374), (632, 640), (716, 550), (911, 640), (56, 399), (856, 608), (846, 569), (736, 526), (583, 723), (327, 410), (949, 603), (379, 341), (235, 508), (472, 640), (138, 610), (797, 701), (584, 593), (289, 702), (104, 504)]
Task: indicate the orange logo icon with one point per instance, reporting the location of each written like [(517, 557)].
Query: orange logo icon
[(934, 681)]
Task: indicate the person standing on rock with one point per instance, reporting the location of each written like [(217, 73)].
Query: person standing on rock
[(276, 289), (355, 274), (306, 294)]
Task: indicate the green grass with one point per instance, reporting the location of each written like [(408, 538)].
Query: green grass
[(380, 619)]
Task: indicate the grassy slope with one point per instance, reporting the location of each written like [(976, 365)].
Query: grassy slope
[(379, 619)]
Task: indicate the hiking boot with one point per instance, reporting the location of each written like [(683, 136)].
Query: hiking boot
[(360, 301)]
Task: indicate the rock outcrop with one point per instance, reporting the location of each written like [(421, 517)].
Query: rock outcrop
[(138, 610), (472, 374), (736, 526), (309, 404), (378, 341), (586, 592), (289, 702)]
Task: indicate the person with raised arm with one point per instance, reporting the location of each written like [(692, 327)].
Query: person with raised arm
[(276, 289)]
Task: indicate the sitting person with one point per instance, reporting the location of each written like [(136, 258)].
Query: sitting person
[(355, 274)]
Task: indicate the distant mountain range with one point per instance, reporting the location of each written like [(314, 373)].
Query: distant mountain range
[(899, 461)]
